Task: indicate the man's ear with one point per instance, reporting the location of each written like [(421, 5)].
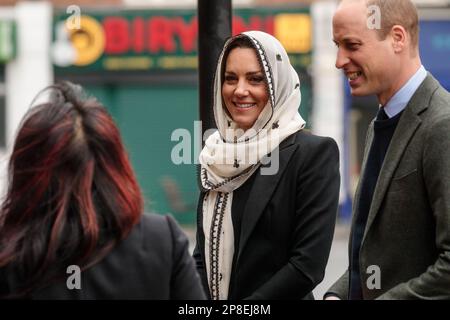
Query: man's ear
[(400, 38)]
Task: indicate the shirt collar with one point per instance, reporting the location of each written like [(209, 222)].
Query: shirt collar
[(400, 100)]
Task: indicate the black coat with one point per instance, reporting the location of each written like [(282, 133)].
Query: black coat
[(153, 262), (288, 224)]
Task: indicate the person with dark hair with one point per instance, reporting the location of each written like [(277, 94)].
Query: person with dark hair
[(270, 189), (73, 204), (399, 244)]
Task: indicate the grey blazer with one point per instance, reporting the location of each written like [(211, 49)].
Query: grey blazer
[(408, 228)]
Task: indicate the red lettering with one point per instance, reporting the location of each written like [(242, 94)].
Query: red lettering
[(116, 34), (187, 33), (238, 25), (166, 34), (160, 31), (269, 25), (255, 23), (138, 35)]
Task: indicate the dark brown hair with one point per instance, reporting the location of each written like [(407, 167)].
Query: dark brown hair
[(237, 42)]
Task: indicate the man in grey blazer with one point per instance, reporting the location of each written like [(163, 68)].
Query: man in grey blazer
[(400, 237)]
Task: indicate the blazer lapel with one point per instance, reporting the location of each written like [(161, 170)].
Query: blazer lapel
[(262, 189), (407, 126)]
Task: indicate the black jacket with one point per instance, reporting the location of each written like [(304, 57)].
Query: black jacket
[(153, 262), (288, 224)]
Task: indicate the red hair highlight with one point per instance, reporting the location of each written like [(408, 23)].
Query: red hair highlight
[(72, 194)]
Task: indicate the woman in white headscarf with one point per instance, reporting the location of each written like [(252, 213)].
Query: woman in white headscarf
[(270, 189)]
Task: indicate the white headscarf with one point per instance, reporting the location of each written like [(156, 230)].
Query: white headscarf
[(231, 156)]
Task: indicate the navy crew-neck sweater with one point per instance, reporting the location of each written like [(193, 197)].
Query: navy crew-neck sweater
[(383, 132)]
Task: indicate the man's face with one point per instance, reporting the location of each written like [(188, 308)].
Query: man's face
[(369, 63)]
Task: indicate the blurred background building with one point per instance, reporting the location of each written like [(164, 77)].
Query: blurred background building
[(139, 57)]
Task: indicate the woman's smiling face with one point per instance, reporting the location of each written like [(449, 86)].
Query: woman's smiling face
[(244, 89)]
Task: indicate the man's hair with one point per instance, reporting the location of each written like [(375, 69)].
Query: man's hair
[(398, 12)]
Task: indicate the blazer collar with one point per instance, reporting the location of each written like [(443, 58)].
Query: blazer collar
[(408, 124), (261, 192)]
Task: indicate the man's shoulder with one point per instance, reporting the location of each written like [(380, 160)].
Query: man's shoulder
[(442, 96), (438, 94), (431, 102), (439, 106)]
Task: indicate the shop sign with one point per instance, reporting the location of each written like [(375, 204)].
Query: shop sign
[(7, 40), (163, 40)]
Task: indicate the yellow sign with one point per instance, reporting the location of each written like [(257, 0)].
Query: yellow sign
[(89, 41), (294, 32), (128, 63)]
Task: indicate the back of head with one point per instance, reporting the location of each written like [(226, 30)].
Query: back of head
[(395, 12), (72, 193), (398, 12)]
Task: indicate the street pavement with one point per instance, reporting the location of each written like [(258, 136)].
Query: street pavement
[(338, 261)]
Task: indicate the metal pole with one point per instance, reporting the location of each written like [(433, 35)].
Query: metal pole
[(214, 27)]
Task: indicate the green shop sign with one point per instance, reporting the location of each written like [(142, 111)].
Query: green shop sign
[(163, 39), (7, 40)]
